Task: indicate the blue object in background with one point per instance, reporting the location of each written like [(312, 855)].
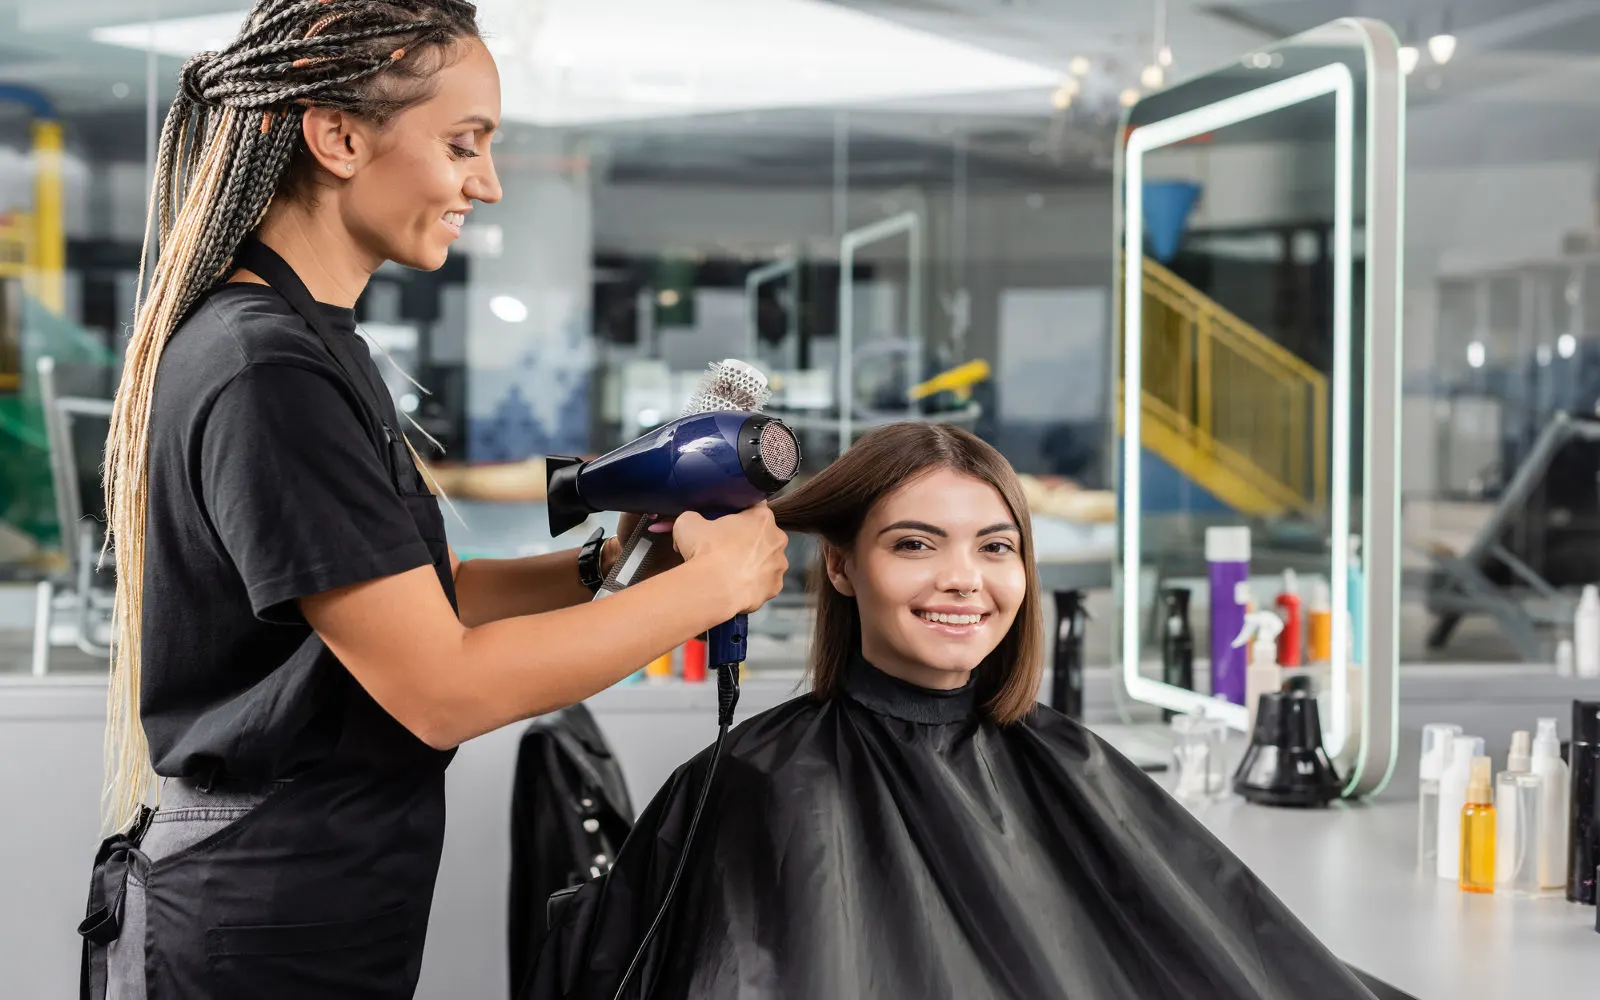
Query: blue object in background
[(1167, 205), (1163, 489)]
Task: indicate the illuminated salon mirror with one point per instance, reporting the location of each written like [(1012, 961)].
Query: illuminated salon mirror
[(1259, 224)]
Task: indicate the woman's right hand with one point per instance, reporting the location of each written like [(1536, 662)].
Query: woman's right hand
[(745, 551)]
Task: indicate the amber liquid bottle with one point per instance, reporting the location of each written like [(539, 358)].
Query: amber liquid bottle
[(1477, 831)]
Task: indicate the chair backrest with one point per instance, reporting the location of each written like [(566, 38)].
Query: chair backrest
[(77, 415), (1554, 528)]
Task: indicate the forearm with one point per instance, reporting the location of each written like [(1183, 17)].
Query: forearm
[(517, 668), (491, 590)]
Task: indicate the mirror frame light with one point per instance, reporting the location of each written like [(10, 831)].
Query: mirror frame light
[(1370, 765)]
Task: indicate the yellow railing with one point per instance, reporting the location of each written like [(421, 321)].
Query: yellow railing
[(1226, 405), (16, 262)]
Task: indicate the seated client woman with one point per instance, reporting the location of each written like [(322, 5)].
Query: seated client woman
[(918, 826)]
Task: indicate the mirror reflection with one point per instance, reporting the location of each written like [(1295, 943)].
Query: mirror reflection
[(1244, 485)]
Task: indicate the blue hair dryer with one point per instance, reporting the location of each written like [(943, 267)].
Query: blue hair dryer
[(714, 463)]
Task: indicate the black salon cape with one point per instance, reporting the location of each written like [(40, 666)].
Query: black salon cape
[(888, 844)]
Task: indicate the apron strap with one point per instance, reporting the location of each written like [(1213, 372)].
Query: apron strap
[(108, 888), (261, 260)]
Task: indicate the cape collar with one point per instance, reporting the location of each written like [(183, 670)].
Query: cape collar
[(891, 696)]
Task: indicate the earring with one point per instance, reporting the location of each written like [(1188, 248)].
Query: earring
[(350, 167)]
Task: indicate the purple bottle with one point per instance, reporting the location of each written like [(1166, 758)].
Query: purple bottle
[(1228, 554)]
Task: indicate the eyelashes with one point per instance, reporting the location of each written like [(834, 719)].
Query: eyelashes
[(918, 545)]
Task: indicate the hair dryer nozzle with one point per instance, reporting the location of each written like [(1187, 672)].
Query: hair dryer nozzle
[(563, 502)]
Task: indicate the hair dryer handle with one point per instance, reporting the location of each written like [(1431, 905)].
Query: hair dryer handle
[(725, 644)]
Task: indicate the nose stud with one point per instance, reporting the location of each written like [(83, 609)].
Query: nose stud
[(963, 593)]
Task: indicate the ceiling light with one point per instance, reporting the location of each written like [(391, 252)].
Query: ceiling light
[(1152, 76), (667, 298), (1409, 57), (1566, 345), (1441, 47), (1061, 100), (1475, 354), (1164, 57), (1079, 66), (688, 57), (508, 308), (1129, 97)]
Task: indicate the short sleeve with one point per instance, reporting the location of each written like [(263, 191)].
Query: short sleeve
[(297, 491)]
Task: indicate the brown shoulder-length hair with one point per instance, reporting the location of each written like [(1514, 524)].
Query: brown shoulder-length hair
[(834, 504)]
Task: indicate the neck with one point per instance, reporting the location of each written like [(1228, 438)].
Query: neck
[(324, 254), (920, 674)]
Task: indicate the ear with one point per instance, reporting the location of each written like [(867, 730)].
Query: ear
[(839, 566), (336, 139)]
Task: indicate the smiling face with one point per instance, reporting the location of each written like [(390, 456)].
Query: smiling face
[(938, 575), (410, 190)]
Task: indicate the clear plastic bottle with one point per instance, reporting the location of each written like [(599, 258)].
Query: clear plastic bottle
[(1554, 791), (1477, 831), (1513, 826), (1437, 740)]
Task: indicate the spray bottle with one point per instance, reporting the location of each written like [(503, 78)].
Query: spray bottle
[(1477, 831), (1228, 562), (1260, 637), (1289, 609), (1356, 588), (1452, 801), (1319, 624), (1554, 789), (1516, 814), (1586, 633), (1438, 741), (1066, 682), (1177, 641)]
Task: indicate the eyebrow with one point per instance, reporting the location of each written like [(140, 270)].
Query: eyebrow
[(936, 530), (483, 122)]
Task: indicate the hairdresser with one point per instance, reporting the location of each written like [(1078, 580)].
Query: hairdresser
[(299, 650)]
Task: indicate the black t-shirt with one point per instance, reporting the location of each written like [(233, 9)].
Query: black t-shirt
[(268, 482)]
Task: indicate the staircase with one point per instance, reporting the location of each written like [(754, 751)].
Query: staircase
[(1227, 407)]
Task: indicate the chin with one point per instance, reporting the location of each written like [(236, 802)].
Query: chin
[(421, 258), (951, 660)]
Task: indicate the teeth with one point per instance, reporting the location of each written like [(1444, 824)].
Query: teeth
[(950, 619), (455, 218)]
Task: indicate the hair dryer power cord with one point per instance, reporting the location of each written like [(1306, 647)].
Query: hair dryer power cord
[(727, 700)]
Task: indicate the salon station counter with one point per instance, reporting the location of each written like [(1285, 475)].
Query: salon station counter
[(1349, 873)]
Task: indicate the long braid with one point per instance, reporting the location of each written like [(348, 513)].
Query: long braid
[(227, 147)]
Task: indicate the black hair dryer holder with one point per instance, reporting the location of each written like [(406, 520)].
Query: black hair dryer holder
[(1285, 764)]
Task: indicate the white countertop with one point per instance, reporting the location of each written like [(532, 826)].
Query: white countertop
[(1349, 872)]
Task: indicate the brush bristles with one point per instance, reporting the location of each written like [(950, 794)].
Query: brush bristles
[(729, 385)]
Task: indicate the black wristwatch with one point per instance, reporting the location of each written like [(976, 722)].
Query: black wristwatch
[(589, 561)]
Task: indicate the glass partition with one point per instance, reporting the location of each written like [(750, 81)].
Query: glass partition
[(1258, 246)]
